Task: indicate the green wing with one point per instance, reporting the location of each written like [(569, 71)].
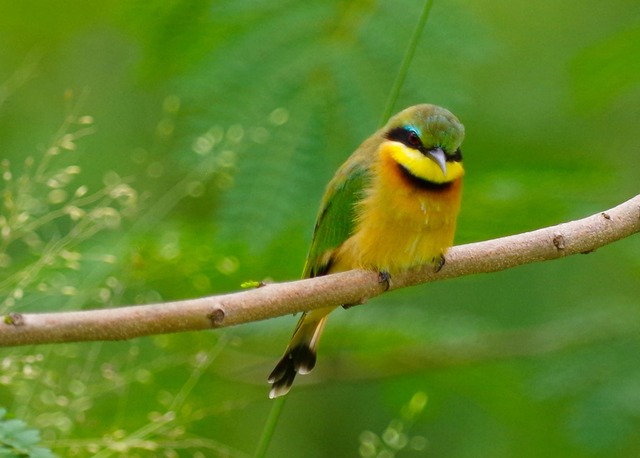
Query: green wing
[(336, 219)]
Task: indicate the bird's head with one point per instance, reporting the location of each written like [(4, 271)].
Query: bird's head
[(424, 140)]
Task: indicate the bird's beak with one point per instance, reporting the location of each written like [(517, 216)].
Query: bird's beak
[(438, 156)]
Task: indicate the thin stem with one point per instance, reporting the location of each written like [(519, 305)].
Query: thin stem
[(270, 427), (406, 61)]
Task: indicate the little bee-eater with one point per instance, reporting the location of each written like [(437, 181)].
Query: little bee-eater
[(392, 205)]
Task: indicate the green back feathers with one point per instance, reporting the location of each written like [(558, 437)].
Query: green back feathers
[(337, 216), (336, 219)]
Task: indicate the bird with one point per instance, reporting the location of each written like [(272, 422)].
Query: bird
[(391, 206)]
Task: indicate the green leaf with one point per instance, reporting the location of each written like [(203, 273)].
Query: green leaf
[(18, 440)]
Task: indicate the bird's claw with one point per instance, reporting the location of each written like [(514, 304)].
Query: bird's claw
[(438, 263), (384, 277)]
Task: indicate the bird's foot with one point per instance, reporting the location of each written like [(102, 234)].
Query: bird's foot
[(438, 263), (384, 277)]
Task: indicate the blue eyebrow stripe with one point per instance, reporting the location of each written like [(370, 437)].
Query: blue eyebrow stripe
[(414, 129)]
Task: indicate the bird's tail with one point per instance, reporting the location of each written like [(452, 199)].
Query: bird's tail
[(300, 355)]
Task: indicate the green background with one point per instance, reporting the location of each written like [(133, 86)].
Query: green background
[(206, 130)]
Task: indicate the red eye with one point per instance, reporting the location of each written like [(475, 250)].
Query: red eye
[(413, 138)]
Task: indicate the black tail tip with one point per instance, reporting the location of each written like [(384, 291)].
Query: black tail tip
[(300, 359)]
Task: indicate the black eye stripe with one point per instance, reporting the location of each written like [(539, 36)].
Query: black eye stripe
[(409, 137), (406, 136)]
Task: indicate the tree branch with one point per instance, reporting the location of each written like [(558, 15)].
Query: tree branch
[(353, 287)]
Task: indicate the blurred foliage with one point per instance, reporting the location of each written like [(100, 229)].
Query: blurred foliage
[(166, 150), (17, 440)]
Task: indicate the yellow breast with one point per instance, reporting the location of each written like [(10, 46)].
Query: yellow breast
[(399, 224)]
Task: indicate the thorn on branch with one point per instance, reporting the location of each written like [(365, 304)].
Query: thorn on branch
[(216, 316), (559, 242)]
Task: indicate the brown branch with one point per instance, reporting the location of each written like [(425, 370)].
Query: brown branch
[(354, 287)]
